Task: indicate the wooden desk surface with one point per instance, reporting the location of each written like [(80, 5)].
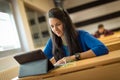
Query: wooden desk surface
[(112, 38), (113, 45), (112, 41), (81, 65)]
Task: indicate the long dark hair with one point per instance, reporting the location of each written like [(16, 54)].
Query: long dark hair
[(70, 34)]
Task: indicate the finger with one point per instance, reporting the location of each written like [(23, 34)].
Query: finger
[(64, 60)]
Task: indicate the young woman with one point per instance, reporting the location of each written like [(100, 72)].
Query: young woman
[(67, 44)]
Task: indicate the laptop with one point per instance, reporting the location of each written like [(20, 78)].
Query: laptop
[(33, 63)]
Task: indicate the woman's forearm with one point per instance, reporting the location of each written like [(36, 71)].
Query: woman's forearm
[(87, 54), (83, 55)]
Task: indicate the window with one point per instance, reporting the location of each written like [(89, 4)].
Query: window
[(9, 40), (8, 34)]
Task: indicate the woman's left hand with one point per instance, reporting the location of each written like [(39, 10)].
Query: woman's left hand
[(61, 61)]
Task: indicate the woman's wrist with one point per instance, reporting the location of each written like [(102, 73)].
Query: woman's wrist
[(70, 58), (73, 58), (77, 56)]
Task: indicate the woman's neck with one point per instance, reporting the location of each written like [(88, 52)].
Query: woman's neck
[(64, 41)]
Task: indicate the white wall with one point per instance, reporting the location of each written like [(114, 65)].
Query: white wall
[(42, 5), (93, 13), (74, 3)]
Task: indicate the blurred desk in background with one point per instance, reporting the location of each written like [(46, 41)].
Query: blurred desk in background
[(112, 41), (106, 67)]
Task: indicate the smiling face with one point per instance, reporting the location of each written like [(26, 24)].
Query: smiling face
[(56, 26)]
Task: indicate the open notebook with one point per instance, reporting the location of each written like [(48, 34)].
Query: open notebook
[(33, 63)]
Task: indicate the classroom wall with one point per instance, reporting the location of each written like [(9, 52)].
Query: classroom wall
[(42, 5), (90, 13), (22, 22)]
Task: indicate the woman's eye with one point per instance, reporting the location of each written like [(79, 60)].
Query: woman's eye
[(52, 26), (58, 24)]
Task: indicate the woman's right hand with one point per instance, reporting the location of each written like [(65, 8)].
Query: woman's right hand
[(61, 61)]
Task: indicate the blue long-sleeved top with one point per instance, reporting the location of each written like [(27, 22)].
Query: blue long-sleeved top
[(87, 42)]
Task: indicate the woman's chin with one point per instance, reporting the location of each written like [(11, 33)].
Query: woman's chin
[(59, 35)]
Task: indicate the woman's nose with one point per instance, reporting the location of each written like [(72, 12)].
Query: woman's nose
[(55, 28)]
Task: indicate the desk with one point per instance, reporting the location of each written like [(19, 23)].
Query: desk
[(113, 46), (112, 41), (106, 67), (112, 38)]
